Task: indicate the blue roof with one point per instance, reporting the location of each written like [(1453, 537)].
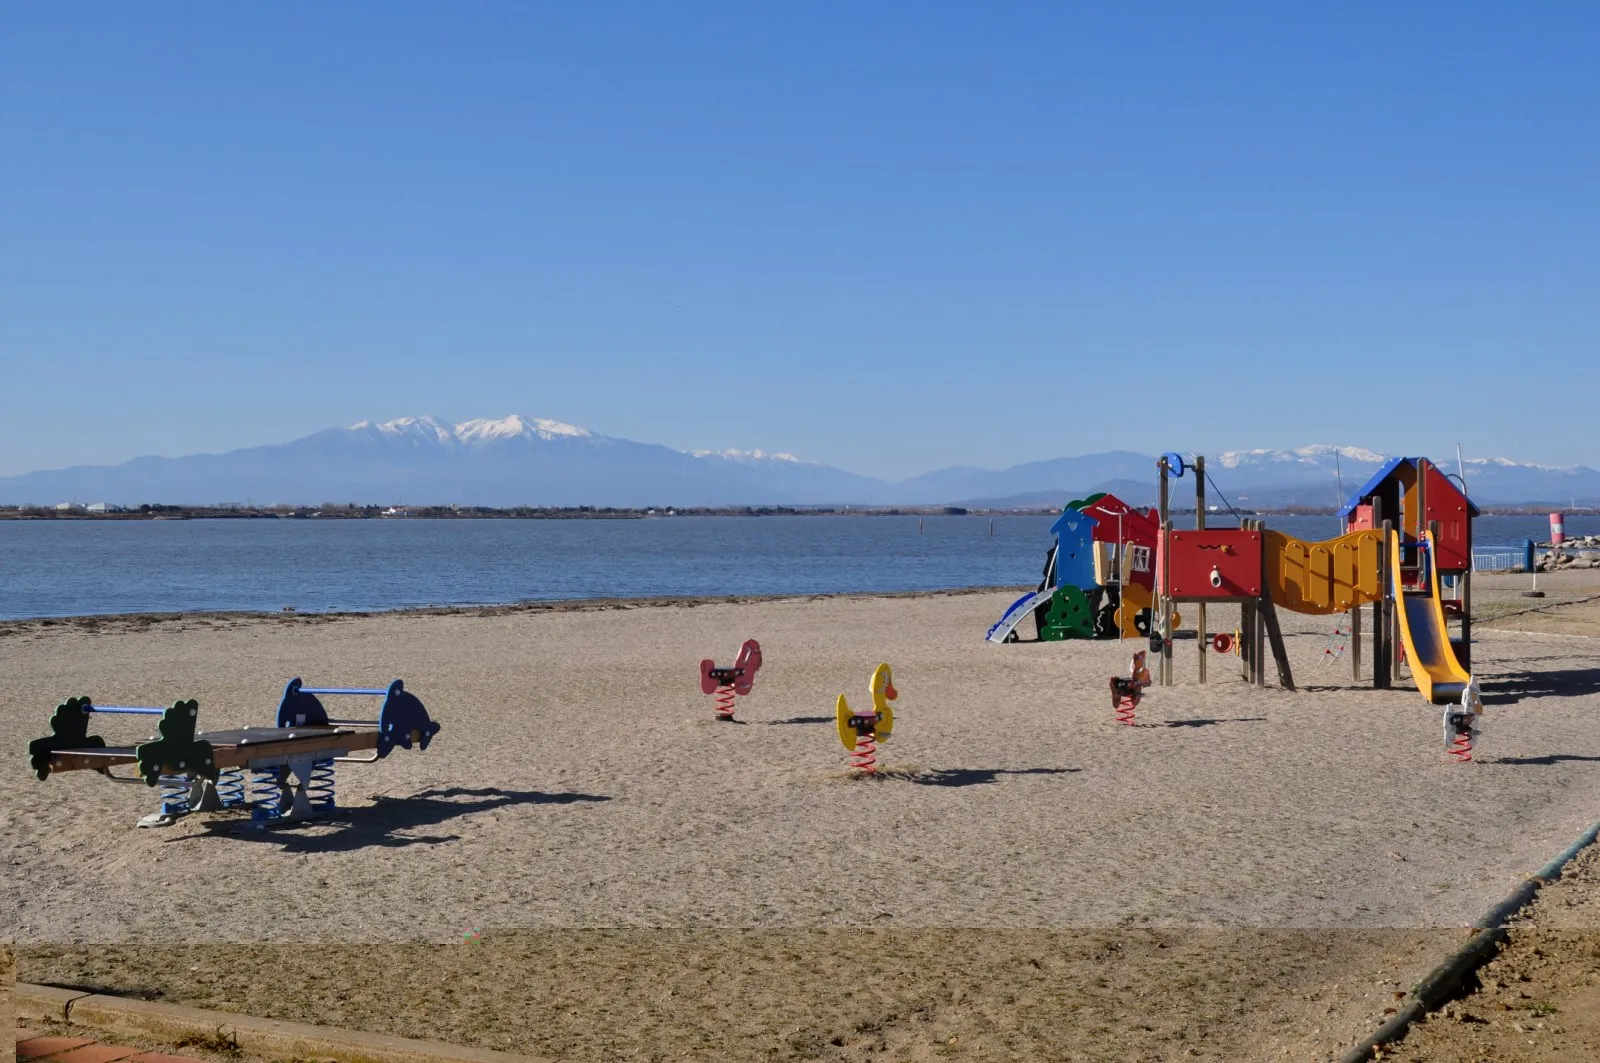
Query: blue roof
[(1383, 474), (1372, 485)]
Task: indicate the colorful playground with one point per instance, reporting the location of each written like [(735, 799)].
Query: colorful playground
[(873, 793)]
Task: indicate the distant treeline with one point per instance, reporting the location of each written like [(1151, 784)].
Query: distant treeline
[(351, 511)]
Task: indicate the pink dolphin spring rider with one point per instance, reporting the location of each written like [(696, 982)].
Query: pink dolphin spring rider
[(724, 683)]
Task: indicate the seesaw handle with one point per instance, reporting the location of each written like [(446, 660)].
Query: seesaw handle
[(376, 691)]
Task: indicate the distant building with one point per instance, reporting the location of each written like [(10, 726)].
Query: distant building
[(66, 506), (103, 507)]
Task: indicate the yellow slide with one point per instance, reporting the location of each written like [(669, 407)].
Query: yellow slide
[(1334, 576), (1433, 662)]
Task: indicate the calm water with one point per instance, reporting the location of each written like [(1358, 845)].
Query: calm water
[(66, 568)]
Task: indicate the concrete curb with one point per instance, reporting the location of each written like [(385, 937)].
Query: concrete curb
[(172, 1022), (1443, 983)]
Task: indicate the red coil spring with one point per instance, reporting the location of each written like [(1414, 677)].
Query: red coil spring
[(725, 702), (1124, 699), (864, 757), (1460, 749)]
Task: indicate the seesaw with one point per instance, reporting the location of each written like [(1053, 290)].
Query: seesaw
[(289, 766)]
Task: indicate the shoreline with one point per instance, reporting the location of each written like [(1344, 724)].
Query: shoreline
[(145, 620)]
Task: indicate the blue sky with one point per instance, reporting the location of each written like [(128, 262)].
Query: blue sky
[(885, 236)]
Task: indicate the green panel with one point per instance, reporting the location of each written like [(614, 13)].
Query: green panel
[(69, 729), (177, 751), (1068, 616)]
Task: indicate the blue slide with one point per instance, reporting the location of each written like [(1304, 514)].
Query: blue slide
[(1019, 609)]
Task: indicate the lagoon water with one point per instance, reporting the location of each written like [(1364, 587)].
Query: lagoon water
[(75, 567)]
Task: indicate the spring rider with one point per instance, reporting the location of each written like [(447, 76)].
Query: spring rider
[(1126, 692), (724, 683), (1461, 723), (860, 732)]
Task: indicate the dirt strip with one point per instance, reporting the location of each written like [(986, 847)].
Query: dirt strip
[(843, 995), (1539, 1001)]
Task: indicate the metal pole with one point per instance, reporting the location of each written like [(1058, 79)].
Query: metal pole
[(1162, 622)]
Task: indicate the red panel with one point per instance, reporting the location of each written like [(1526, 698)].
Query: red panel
[(1232, 553), (1361, 519), (1137, 526), (1447, 505)]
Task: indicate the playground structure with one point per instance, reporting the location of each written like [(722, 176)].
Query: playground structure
[(1430, 549), (1408, 534), (1099, 576), (279, 774), (861, 731), (724, 683)]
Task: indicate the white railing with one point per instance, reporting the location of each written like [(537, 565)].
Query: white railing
[(1499, 560)]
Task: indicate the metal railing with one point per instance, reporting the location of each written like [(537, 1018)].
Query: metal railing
[(1500, 560)]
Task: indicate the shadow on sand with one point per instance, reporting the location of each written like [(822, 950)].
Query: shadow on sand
[(1548, 760), (1208, 721), (967, 776), (380, 825), (1561, 682)]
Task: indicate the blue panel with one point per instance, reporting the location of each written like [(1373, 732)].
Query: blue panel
[(1075, 549)]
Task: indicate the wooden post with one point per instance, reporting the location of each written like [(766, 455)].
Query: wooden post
[(1465, 656), (1200, 525), (1382, 653), (1355, 644), (1247, 640), (1258, 649), (1422, 497)]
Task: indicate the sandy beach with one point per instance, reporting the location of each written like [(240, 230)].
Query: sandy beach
[(587, 821)]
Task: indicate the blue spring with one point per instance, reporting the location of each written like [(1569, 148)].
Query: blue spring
[(174, 794), (319, 788), (230, 788), (266, 793)]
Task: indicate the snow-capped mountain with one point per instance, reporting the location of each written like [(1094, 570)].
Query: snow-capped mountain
[(520, 460), (432, 430), (516, 460), (1291, 477)]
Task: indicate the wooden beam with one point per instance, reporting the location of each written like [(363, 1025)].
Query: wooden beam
[(1269, 616)]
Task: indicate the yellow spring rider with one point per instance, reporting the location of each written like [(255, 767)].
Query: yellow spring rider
[(860, 732)]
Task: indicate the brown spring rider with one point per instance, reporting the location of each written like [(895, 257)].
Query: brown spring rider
[(1125, 692)]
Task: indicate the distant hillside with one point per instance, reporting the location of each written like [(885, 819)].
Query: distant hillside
[(529, 461)]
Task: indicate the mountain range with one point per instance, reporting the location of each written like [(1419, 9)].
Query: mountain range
[(520, 460)]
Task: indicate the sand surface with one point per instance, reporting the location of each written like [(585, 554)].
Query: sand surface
[(580, 780), (1029, 863)]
